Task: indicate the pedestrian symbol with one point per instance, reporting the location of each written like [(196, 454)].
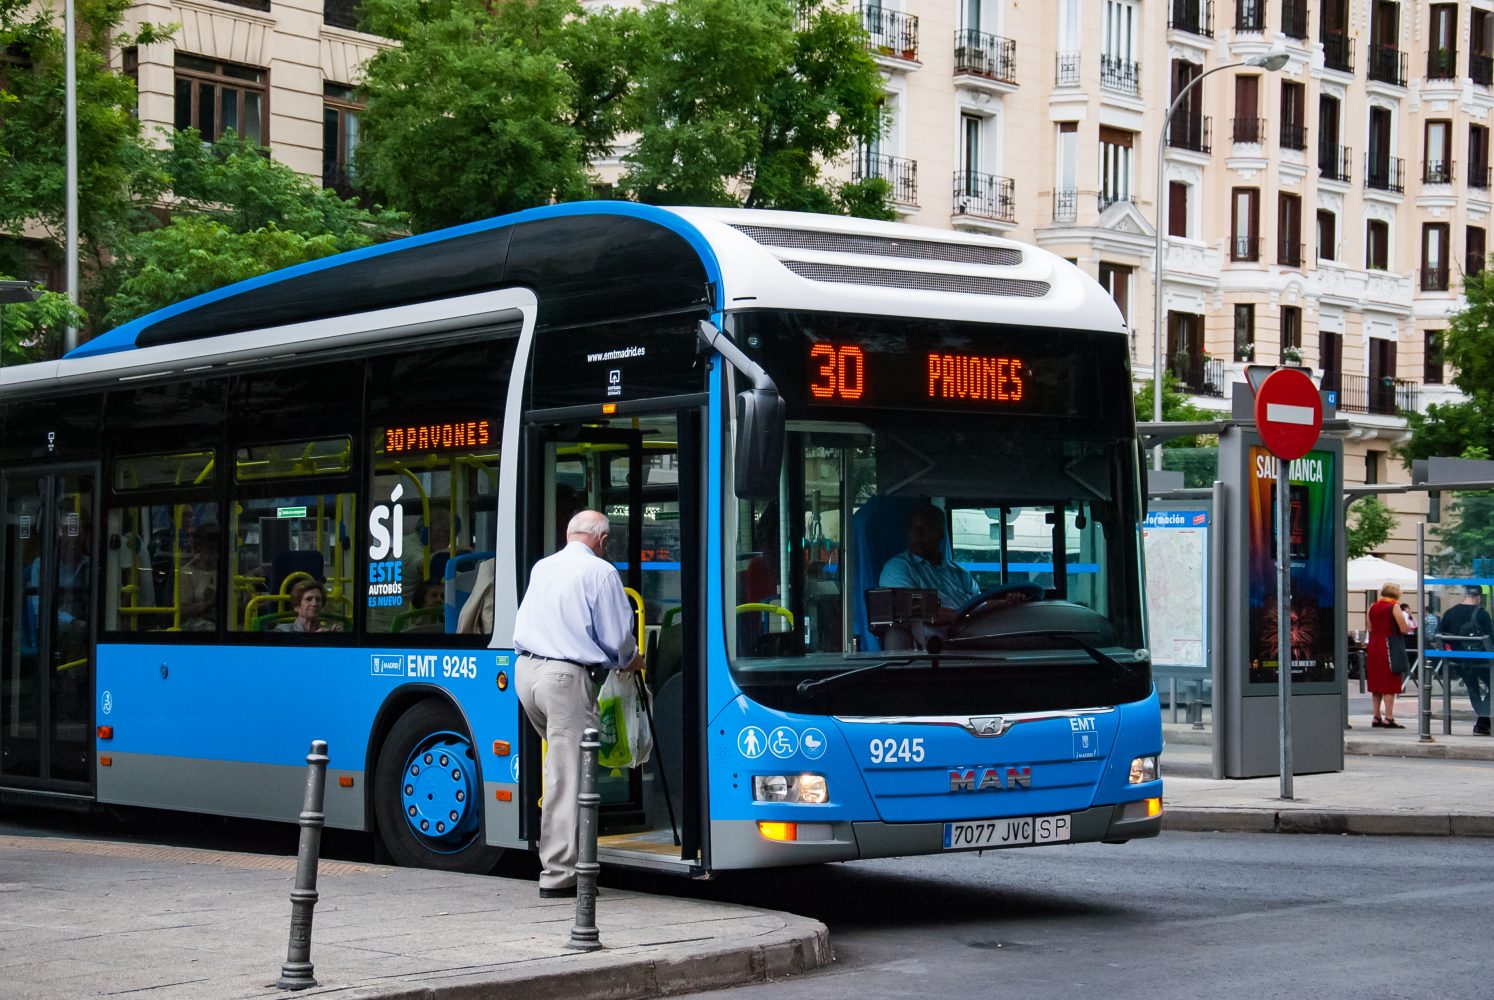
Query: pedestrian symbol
[(783, 741), (751, 741), (814, 744)]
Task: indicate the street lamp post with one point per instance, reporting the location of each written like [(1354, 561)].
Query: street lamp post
[(1270, 62), (70, 48)]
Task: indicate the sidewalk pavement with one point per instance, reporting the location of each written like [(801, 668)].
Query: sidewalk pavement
[(1391, 783), (93, 917)]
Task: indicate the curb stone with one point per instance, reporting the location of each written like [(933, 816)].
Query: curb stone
[(1312, 821)]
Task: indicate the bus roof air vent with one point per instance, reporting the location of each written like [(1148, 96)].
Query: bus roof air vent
[(968, 284), (881, 246)]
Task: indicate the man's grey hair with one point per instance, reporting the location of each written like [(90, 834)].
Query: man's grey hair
[(589, 522)]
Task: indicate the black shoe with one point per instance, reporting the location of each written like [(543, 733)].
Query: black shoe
[(564, 892), (1481, 727)]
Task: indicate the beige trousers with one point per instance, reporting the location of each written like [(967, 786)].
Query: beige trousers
[(561, 701)]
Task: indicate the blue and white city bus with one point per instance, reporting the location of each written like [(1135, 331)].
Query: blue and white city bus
[(757, 400)]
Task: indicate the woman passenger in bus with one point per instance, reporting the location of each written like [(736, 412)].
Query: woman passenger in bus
[(199, 580), (308, 598)]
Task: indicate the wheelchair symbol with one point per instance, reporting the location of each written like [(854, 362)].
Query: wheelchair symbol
[(783, 741)]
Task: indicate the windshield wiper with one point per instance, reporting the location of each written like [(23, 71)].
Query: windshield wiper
[(1070, 635), (808, 687)]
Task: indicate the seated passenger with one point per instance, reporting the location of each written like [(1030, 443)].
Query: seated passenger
[(308, 598), (199, 580), (922, 565)]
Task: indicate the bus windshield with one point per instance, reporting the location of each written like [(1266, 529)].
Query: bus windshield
[(943, 559)]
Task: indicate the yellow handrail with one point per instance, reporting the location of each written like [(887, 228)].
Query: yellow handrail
[(637, 600), (771, 609)]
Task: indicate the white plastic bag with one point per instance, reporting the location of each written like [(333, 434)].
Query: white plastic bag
[(626, 739)]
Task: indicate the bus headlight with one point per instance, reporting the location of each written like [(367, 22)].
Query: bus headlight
[(1144, 769), (809, 789)]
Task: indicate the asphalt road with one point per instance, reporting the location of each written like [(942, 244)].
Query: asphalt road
[(1186, 915)]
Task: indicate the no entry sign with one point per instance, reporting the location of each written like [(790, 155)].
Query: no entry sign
[(1288, 413)]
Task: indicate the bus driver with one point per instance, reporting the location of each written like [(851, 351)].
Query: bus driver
[(922, 565)]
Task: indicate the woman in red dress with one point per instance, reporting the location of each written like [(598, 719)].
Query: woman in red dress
[(1385, 619)]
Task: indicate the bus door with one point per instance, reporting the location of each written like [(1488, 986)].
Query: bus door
[(643, 471), (47, 586)]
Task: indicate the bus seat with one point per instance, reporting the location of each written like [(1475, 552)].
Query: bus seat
[(460, 574), (295, 561), (267, 622), (668, 654), (879, 531)]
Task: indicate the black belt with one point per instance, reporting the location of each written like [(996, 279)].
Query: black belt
[(596, 671)]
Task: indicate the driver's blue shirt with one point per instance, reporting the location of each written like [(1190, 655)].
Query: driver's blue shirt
[(955, 586)]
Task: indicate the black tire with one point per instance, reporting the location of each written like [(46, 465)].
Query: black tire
[(411, 760)]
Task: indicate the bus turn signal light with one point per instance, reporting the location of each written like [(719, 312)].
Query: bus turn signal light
[(500, 748), (503, 795), (778, 831), (346, 781), (106, 732), (106, 761)]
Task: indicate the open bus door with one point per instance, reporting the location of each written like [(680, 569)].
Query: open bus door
[(46, 629), (644, 472)]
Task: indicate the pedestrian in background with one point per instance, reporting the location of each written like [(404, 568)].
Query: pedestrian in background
[(574, 624), (1385, 620), (1469, 619)]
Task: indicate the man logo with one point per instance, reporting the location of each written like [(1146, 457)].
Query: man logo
[(990, 779), (987, 725)]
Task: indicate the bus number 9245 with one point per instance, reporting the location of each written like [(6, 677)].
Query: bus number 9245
[(891, 751)]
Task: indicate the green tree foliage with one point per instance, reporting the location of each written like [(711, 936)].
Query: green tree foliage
[(117, 178), (1370, 523), (491, 107), (1195, 456), (1466, 533), (1449, 428), (478, 111), (236, 214)]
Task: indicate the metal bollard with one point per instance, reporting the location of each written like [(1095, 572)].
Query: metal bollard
[(295, 973), (584, 936)]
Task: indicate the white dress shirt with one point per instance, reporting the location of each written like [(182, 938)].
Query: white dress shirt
[(575, 609)]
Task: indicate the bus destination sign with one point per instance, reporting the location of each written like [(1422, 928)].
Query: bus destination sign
[(843, 374)]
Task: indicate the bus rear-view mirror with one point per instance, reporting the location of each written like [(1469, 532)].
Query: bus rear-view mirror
[(759, 458)]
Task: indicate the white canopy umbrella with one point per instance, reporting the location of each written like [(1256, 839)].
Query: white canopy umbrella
[(1372, 572)]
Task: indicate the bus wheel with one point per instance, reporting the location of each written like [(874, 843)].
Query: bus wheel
[(427, 795)]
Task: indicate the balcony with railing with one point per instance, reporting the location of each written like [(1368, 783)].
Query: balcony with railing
[(1244, 248), (1288, 253), (1361, 394), (1293, 135), (989, 56), (1338, 52), (338, 13), (985, 196), (1197, 374), (1442, 64), (1387, 64), (1335, 162), (899, 173), (1120, 75), (1108, 198), (1481, 68), (1294, 18), (1250, 15), (1385, 173), (1191, 133), (1247, 129), (1193, 16), (338, 176), (1437, 171), (1432, 279), (894, 34), (1066, 69), (1066, 205), (1478, 177)]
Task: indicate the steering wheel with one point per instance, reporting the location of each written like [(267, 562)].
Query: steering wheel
[(1031, 591)]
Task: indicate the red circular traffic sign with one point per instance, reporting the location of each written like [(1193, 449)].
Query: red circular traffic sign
[(1288, 413)]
